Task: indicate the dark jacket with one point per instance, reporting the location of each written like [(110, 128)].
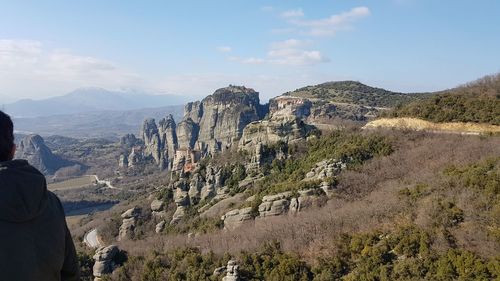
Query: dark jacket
[(35, 243)]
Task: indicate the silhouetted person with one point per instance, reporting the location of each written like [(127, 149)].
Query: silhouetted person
[(35, 243)]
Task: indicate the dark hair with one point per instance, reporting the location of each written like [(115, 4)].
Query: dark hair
[(6, 137)]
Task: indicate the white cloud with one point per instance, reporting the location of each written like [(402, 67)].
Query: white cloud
[(224, 49), (288, 52), (30, 69), (331, 25), (297, 13)]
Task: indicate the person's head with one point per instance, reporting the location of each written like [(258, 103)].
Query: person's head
[(7, 146)]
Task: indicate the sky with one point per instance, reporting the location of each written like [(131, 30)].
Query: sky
[(191, 48)]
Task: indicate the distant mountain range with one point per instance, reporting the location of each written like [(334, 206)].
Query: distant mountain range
[(90, 99), (110, 124)]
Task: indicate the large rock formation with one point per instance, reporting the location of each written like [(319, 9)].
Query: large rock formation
[(232, 271), (129, 222), (285, 124), (235, 218), (105, 261), (33, 149), (216, 123)]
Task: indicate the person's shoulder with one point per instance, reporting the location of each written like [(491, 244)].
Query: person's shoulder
[(55, 202)]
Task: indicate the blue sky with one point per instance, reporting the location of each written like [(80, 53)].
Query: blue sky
[(190, 48)]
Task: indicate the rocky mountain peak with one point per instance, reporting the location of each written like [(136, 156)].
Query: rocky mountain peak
[(235, 95), (35, 151)]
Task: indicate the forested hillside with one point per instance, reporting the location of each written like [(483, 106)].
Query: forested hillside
[(354, 92), (477, 102)]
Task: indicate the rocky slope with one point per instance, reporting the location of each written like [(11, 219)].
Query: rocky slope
[(239, 175)]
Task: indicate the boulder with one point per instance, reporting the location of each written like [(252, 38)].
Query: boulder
[(157, 205), (178, 215), (219, 271), (235, 218), (160, 226), (127, 228), (274, 208), (232, 271), (104, 260), (131, 213)]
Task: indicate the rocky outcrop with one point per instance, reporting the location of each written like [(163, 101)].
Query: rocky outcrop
[(328, 113), (324, 171), (105, 261), (216, 123), (236, 218), (129, 222), (123, 162), (289, 107), (157, 205), (151, 137), (181, 199), (285, 124), (271, 131), (129, 141), (213, 181), (135, 157), (232, 271), (35, 151), (274, 205), (224, 114), (160, 226), (286, 203), (158, 209), (195, 187)]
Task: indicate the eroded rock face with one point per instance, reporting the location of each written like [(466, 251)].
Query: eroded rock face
[(211, 125), (324, 171), (232, 271), (152, 144), (129, 222), (168, 141), (129, 140), (123, 162), (157, 205), (289, 107), (284, 203), (33, 149), (187, 132), (135, 157), (160, 226), (235, 218), (224, 115), (104, 261), (195, 187), (274, 205), (181, 199), (265, 132)]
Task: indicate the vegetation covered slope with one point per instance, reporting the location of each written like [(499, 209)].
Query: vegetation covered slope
[(356, 93), (477, 102), (419, 209)]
